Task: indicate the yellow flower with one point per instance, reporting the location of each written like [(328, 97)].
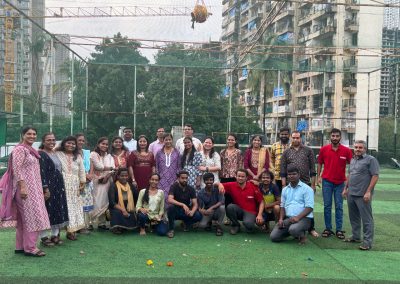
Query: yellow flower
[(149, 262)]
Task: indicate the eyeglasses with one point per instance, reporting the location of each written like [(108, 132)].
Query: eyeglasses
[(187, 129)]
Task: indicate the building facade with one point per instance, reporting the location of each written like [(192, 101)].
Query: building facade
[(329, 85)]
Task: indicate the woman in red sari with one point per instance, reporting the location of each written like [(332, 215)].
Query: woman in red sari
[(256, 159), (141, 164)]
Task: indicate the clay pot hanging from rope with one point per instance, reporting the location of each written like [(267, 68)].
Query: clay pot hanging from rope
[(200, 13)]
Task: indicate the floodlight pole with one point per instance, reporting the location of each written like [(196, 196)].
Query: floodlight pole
[(277, 106), (396, 102), (86, 97), (323, 108), (369, 76), (183, 96), (72, 94), (230, 103), (134, 103)]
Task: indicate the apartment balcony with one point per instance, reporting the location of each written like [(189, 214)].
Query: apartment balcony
[(349, 125), (350, 86), (322, 31), (350, 46), (350, 65), (315, 14), (246, 34), (283, 14), (246, 20), (352, 5), (351, 25), (251, 102), (284, 28), (319, 124), (349, 105)]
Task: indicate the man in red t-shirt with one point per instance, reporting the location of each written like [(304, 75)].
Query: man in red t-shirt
[(333, 158), (248, 204)]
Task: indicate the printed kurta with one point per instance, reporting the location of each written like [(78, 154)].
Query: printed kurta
[(74, 173), (230, 163), (100, 189), (26, 167), (50, 171), (87, 195), (193, 168), (167, 166)]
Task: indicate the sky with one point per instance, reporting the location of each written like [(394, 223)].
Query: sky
[(157, 28)]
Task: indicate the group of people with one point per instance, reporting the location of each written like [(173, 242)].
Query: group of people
[(134, 184)]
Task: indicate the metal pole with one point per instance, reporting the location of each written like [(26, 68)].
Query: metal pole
[(72, 94), (134, 103), (396, 102), (277, 105), (183, 96), (21, 103), (369, 75), (230, 103), (323, 108), (86, 96), (51, 84)]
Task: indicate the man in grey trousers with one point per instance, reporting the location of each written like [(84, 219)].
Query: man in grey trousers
[(363, 176)]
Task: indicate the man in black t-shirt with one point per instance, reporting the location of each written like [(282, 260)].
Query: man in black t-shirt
[(183, 204)]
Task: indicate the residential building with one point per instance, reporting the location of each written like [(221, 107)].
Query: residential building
[(330, 84), (15, 58)]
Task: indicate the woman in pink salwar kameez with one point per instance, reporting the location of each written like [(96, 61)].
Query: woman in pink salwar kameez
[(28, 196)]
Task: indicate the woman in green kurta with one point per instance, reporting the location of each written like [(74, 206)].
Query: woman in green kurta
[(150, 207)]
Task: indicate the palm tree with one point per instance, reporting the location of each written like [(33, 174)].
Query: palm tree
[(263, 76)]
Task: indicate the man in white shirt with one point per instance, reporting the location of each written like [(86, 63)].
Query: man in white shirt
[(188, 132), (129, 142), (159, 143)]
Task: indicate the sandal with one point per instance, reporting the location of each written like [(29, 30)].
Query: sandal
[(71, 237), (56, 240), (327, 233), (364, 247), (314, 233), (37, 253), (219, 231), (170, 234), (350, 240), (116, 231), (340, 235), (46, 242)]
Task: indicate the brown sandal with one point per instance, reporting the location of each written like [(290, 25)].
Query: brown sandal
[(56, 240), (46, 242), (71, 237), (38, 253)]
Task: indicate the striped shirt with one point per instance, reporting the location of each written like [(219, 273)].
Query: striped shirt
[(277, 150)]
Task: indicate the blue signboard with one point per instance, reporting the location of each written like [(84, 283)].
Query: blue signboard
[(281, 92), (302, 125)]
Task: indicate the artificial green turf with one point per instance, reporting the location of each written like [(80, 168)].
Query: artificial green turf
[(203, 257)]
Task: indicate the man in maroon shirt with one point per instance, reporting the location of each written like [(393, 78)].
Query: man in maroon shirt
[(333, 158), (248, 204)]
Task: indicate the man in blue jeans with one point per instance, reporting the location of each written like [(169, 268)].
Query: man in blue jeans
[(333, 158), (183, 204)]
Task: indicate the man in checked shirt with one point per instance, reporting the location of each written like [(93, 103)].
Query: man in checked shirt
[(301, 157), (277, 150)]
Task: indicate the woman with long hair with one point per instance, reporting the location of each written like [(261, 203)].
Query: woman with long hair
[(231, 159), (168, 164), (211, 160), (141, 164), (102, 166), (150, 207), (119, 153), (74, 180), (256, 159), (53, 182), (122, 197), (22, 202), (190, 162), (87, 194)]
